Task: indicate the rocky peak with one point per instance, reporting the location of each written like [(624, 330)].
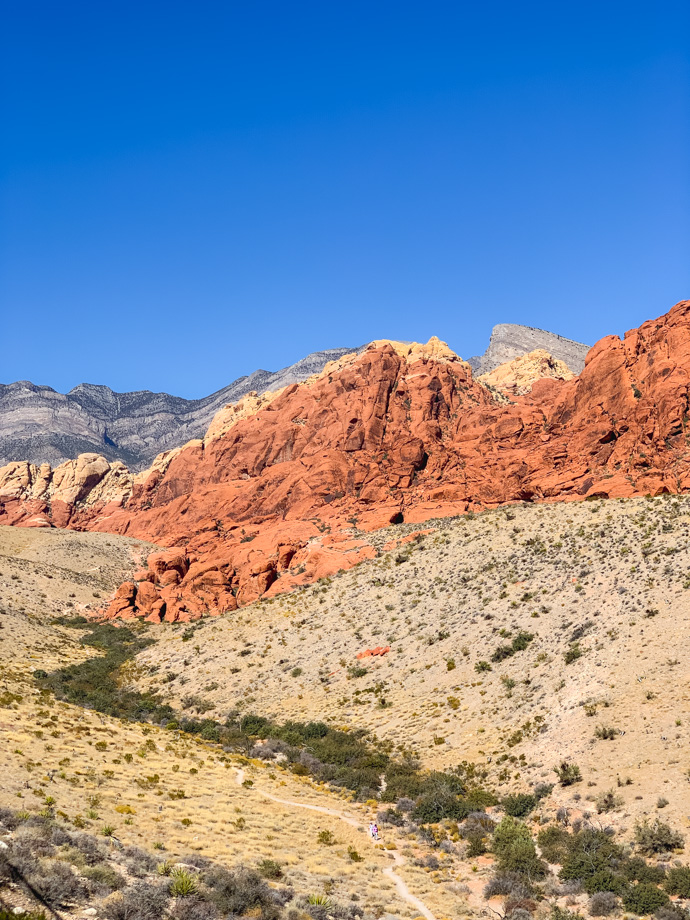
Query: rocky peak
[(509, 341)]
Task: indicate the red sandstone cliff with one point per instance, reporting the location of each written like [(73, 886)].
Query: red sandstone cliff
[(384, 437)]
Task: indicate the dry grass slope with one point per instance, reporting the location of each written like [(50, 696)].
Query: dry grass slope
[(173, 795)]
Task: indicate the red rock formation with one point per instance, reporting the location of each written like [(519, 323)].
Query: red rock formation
[(269, 504)]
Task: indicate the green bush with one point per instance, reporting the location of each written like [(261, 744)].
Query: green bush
[(573, 652), (269, 868), (554, 843), (519, 644), (605, 880), (589, 852), (520, 805), (637, 870), (678, 881), (515, 851), (657, 837), (645, 898), (476, 845), (435, 806)]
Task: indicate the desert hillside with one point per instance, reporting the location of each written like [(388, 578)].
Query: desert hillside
[(513, 637), (527, 702), (110, 815)]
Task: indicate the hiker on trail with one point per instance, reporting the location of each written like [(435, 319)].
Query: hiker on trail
[(374, 830)]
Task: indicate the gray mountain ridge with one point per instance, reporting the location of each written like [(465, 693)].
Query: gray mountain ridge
[(40, 425), (509, 341)]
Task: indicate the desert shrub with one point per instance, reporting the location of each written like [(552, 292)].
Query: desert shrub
[(568, 773), (590, 851), (605, 732), (141, 901), (605, 880), (519, 644), (138, 862), (678, 881), (7, 871), (240, 890), (391, 816), (59, 837), (554, 843), (521, 910), (602, 904), (657, 837), (269, 868), (193, 908), (476, 845), (105, 877), (478, 822), (645, 898), (8, 818), (515, 850), (637, 870), (507, 884), (520, 805), (608, 801), (507, 833), (30, 844), (57, 883), (573, 652), (475, 829), (522, 858), (435, 806), (91, 850), (671, 912)]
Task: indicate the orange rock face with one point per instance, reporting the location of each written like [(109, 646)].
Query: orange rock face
[(386, 437)]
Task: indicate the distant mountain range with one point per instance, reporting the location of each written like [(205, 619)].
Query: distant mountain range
[(43, 426)]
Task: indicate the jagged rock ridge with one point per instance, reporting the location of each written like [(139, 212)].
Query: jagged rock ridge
[(397, 434), (41, 425), (509, 341)]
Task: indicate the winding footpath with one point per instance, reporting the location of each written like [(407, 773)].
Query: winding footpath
[(389, 872)]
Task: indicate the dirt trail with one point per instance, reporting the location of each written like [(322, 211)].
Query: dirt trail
[(389, 872)]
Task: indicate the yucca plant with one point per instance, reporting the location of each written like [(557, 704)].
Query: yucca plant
[(183, 884)]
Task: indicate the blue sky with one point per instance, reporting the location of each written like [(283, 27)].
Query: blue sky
[(189, 191)]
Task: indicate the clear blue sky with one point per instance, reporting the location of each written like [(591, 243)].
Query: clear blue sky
[(192, 190)]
